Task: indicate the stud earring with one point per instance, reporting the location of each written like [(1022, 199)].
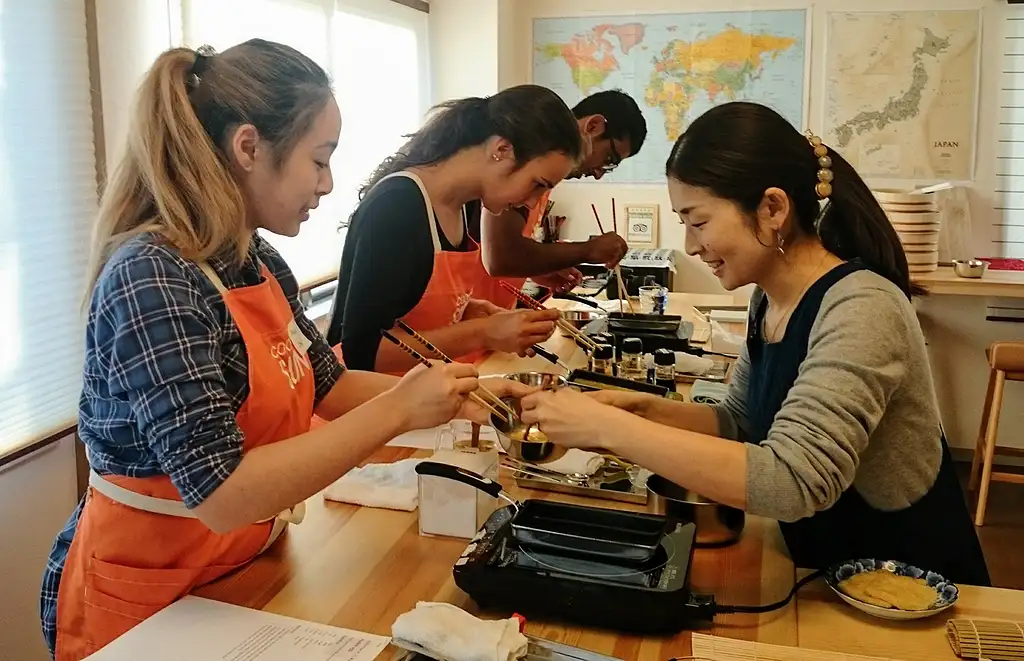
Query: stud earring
[(496, 157)]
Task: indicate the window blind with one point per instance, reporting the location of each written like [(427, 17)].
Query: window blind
[(47, 206), (376, 53), (1008, 206)]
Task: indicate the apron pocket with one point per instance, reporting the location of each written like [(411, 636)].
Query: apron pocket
[(118, 597)]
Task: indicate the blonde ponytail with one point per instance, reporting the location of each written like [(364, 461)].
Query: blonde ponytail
[(175, 178)]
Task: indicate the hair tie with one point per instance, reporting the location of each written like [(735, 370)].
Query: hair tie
[(824, 186), (202, 62)]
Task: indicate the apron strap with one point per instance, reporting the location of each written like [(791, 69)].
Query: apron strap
[(213, 277), (169, 507), (431, 220)]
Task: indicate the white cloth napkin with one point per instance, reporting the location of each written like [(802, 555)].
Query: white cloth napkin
[(576, 460), (446, 632), (390, 486), (687, 363)]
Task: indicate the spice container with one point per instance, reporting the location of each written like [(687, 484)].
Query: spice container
[(632, 365), (665, 368), (602, 360)]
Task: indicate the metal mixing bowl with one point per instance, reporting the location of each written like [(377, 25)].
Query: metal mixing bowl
[(580, 318), (540, 451), (717, 524), (543, 380), (969, 268)]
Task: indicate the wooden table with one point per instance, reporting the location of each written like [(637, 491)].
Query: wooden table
[(1006, 284), (361, 568)]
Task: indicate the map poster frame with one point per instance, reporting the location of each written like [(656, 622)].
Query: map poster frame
[(899, 149), (676, 64), (642, 225)]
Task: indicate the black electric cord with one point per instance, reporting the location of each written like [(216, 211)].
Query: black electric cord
[(726, 609)]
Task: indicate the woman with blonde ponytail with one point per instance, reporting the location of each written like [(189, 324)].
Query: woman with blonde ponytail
[(201, 372)]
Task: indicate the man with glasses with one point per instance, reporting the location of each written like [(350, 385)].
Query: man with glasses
[(613, 129)]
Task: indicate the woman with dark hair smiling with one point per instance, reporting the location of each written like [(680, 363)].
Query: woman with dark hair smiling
[(408, 255), (832, 392)]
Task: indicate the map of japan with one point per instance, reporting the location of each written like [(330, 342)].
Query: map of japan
[(676, 66), (900, 92)]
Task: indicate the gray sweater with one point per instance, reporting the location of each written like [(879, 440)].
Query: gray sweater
[(861, 412)]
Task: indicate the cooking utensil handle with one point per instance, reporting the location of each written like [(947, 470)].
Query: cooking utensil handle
[(462, 475), (545, 354), (579, 299)]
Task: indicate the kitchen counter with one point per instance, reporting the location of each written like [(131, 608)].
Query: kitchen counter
[(1006, 284), (361, 568)]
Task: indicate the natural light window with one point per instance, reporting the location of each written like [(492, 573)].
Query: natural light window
[(47, 207), (376, 54)]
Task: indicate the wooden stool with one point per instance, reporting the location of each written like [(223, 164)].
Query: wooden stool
[(1006, 362)]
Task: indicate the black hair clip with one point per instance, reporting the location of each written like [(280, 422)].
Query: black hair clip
[(200, 65)]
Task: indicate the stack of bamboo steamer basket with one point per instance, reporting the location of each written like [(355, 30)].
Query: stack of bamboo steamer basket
[(915, 216)]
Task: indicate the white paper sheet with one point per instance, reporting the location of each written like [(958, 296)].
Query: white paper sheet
[(203, 630)]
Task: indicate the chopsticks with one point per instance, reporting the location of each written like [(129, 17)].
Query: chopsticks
[(423, 361), (623, 294), (561, 323), (440, 354), (593, 207)]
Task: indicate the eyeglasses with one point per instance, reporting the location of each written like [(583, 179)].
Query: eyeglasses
[(613, 160)]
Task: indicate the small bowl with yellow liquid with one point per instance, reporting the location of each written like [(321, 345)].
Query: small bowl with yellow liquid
[(527, 443)]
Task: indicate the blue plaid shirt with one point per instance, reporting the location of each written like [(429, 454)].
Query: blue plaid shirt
[(165, 373)]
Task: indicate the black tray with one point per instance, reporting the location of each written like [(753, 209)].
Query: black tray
[(630, 321), (625, 537), (584, 378)]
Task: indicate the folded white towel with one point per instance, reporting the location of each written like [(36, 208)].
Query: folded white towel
[(448, 633), (687, 363), (391, 486), (576, 461)]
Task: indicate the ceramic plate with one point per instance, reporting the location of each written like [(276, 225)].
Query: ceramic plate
[(946, 593)]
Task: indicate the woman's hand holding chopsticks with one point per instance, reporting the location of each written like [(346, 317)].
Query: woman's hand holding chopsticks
[(427, 397)]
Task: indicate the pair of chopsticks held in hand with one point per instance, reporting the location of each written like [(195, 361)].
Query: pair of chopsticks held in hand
[(623, 294), (503, 410)]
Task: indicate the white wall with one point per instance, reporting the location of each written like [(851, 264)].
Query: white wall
[(125, 53), (463, 48), (37, 494)]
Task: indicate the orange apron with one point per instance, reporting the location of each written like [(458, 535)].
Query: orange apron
[(451, 284), (137, 548), (487, 286)]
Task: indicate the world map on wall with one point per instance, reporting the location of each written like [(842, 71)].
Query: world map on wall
[(901, 89), (676, 66)]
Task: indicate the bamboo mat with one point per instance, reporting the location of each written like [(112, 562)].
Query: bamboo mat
[(713, 648), (994, 640)]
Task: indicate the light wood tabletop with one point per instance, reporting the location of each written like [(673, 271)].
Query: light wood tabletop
[(360, 568), (943, 281)]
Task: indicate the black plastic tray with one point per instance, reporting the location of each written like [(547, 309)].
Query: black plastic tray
[(625, 537), (644, 322), (580, 377)]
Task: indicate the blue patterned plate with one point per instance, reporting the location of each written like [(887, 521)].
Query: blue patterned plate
[(946, 593)]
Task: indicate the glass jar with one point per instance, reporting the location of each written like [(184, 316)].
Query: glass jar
[(602, 360), (632, 365), (665, 368), (466, 436)]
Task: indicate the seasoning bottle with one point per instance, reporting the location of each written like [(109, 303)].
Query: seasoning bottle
[(632, 366), (602, 360), (665, 368)]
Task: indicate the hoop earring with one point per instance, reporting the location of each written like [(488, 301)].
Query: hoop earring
[(779, 242)]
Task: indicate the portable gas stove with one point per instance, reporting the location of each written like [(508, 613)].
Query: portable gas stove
[(652, 597)]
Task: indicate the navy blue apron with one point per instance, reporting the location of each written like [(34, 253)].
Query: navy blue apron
[(935, 533)]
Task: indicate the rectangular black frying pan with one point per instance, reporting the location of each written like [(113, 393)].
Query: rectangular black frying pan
[(593, 532), (643, 322)]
